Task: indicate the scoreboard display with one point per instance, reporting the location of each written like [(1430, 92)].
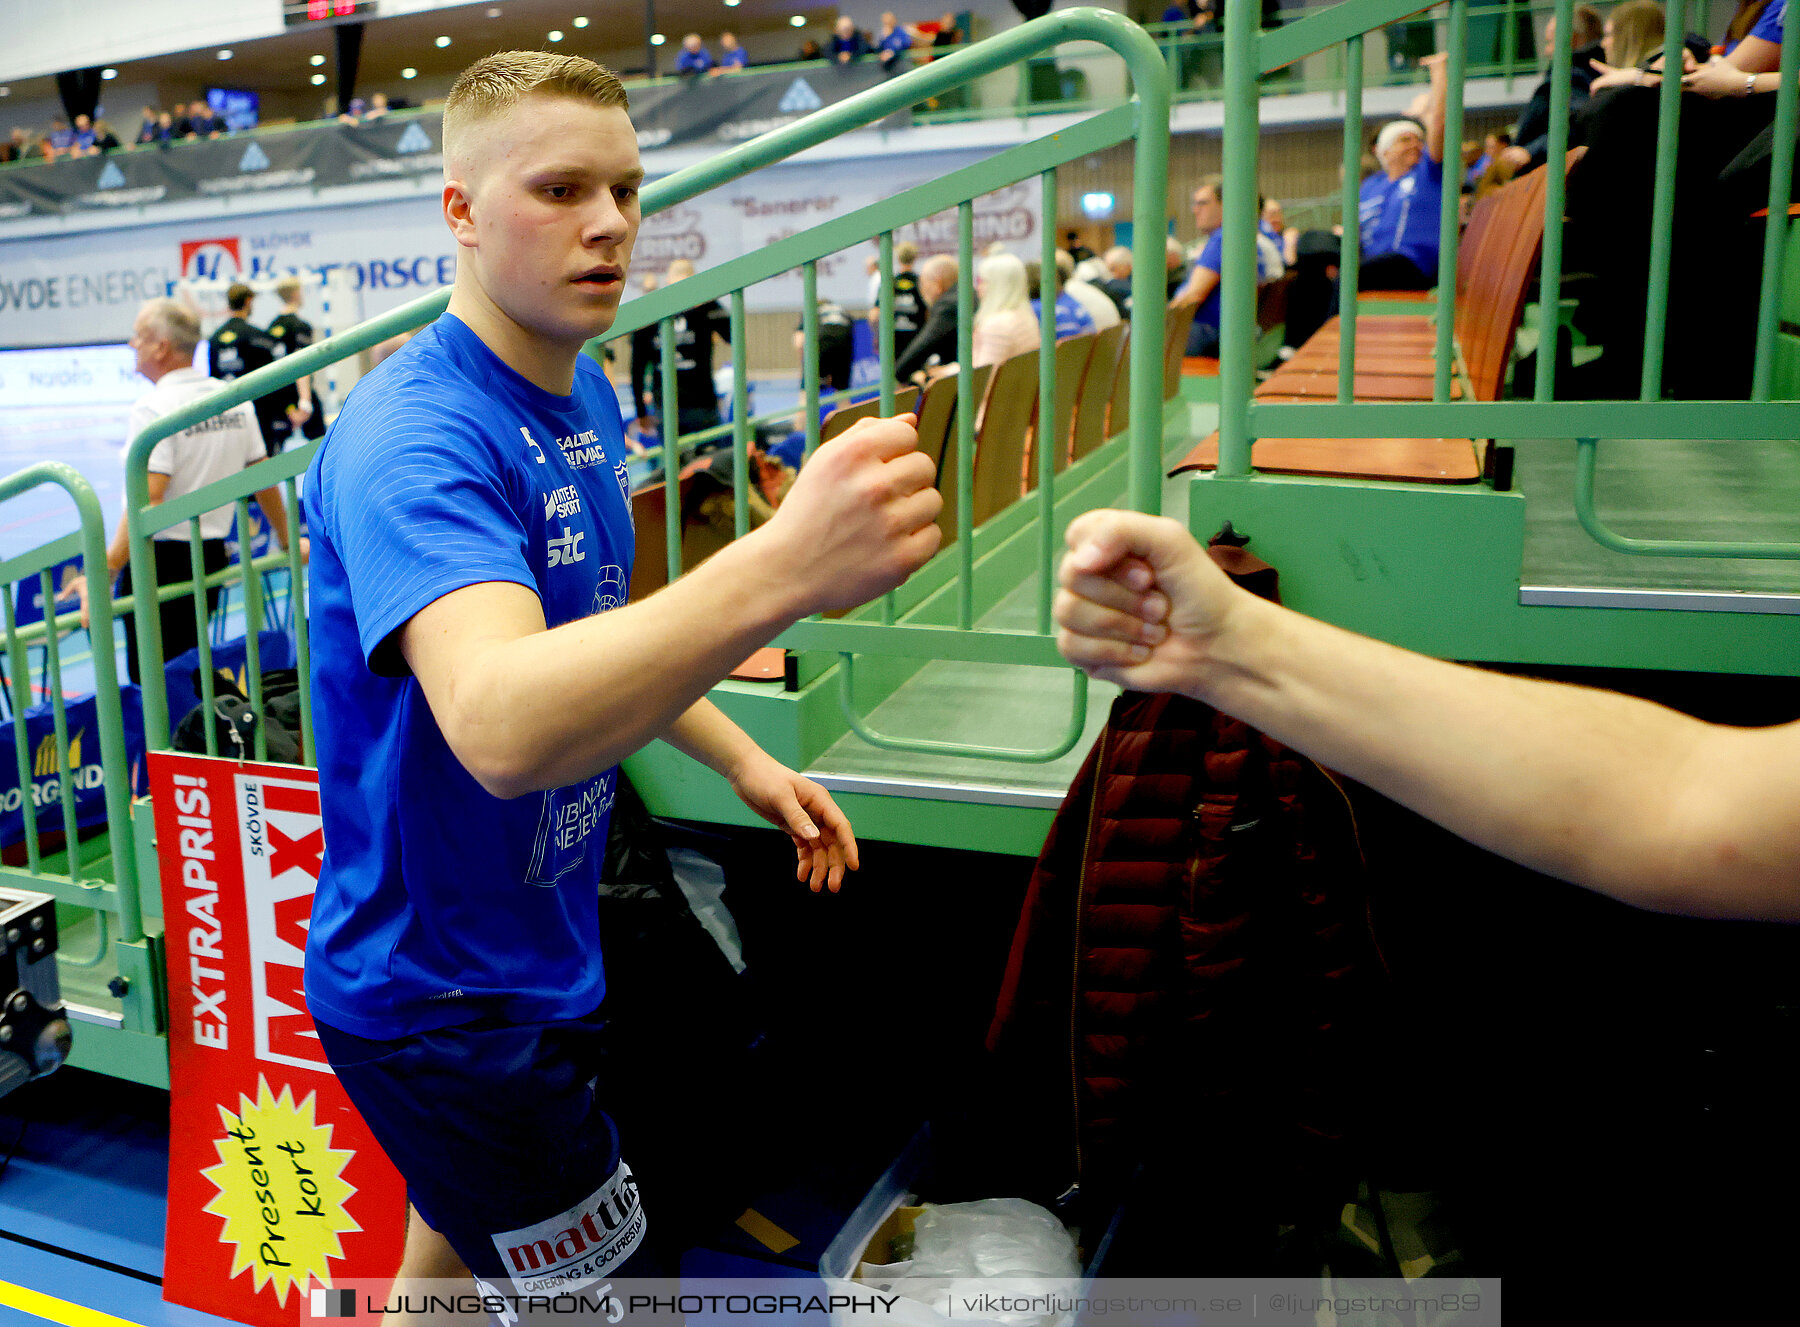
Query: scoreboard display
[(311, 13)]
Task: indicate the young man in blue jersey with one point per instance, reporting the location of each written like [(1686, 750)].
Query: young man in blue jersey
[(477, 677)]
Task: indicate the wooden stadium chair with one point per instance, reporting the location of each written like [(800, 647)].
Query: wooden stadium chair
[(846, 415), (1118, 409), (941, 441), (1097, 386), (1006, 419), (1175, 334), (1072, 359)]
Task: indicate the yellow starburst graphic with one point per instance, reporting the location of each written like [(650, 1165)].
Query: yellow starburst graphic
[(281, 1190)]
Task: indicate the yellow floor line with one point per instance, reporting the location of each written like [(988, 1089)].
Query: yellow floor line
[(40, 1305)]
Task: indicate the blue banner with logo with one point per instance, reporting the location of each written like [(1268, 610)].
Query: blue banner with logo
[(86, 773)]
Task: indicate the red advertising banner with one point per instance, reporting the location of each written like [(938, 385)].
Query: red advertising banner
[(275, 1186)]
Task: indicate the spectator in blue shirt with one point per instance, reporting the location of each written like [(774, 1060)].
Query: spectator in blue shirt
[(732, 57), (847, 43), (60, 141), (694, 58), (84, 138), (1400, 204), (892, 43), (149, 131)]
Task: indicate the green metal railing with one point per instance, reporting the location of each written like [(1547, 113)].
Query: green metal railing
[(1143, 122), (76, 877), (1243, 419)]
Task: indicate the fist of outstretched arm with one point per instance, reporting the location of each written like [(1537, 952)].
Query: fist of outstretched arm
[(860, 518), (1140, 603)]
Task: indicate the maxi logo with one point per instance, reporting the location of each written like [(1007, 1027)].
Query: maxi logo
[(111, 177), (415, 139), (565, 549), (565, 501), (254, 158)]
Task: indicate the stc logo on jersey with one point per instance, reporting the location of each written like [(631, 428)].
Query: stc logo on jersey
[(210, 260), (565, 549)]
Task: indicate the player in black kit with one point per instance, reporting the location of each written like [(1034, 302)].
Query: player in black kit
[(240, 347), (301, 412)]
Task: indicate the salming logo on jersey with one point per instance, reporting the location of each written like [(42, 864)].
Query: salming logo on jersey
[(537, 452), (583, 449), (565, 501), (565, 549)]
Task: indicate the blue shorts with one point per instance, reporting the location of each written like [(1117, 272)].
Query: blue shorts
[(498, 1131)]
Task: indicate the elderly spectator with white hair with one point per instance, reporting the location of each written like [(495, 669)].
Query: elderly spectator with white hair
[(1399, 209)]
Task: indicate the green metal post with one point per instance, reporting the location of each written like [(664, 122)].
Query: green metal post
[(671, 450), (1781, 167), (1662, 207), (253, 622), (809, 326), (740, 419), (302, 630), (884, 327), (966, 406), (1449, 219), (1350, 254), (884, 335), (1047, 443), (147, 595), (21, 701), (59, 715), (1550, 291), (1237, 300)]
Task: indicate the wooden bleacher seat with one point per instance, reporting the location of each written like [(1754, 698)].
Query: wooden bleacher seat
[(943, 438), (1000, 438), (1176, 323), (1395, 356), (1072, 358), (1096, 395), (1118, 410)]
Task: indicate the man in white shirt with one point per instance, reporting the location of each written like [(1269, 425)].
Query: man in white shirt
[(164, 337)]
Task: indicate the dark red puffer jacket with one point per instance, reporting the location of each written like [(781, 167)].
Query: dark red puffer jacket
[(1193, 953)]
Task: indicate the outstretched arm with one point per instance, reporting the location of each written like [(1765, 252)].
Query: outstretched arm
[(526, 708), (1434, 104), (1612, 793)]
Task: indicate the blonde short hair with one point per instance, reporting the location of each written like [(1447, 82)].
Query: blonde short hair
[(288, 287), (496, 83)]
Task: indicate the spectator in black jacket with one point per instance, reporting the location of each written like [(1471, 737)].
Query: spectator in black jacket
[(696, 399), (936, 341), (1531, 140)]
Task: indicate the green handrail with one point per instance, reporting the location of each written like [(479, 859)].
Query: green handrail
[(115, 768), (924, 746), (1586, 461)]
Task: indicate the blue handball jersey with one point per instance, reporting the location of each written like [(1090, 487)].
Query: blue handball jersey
[(1402, 216), (440, 903)]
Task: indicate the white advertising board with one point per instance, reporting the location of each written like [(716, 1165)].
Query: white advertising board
[(80, 289)]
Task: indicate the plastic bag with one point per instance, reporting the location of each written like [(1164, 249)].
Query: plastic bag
[(963, 1254)]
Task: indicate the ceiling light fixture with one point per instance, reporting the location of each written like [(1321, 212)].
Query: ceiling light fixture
[(442, 42), (317, 60), (494, 12), (556, 34), (409, 72), (731, 4), (109, 73), (657, 39), (581, 22), (225, 55), (318, 80), (797, 21)]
